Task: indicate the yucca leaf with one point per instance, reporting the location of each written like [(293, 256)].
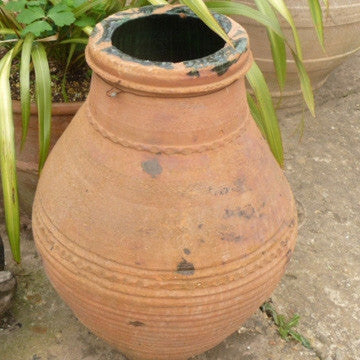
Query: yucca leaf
[(158, 2), (75, 41), (326, 3), (201, 10), (256, 113), (8, 41), (86, 6), (7, 32), (277, 44), (316, 14), (8, 160), (231, 8), (43, 99), (281, 7), (87, 30), (68, 60), (305, 84), (25, 84), (269, 119)]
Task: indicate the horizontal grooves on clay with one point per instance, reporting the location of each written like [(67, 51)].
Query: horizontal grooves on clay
[(177, 329), (89, 272), (90, 266)]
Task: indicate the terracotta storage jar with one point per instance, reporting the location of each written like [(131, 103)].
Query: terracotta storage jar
[(161, 216), (341, 32)]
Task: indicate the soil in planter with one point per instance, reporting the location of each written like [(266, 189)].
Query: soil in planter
[(77, 80)]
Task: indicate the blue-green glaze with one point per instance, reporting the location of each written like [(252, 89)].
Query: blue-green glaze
[(218, 61)]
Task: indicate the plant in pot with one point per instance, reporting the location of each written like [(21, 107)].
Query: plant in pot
[(337, 24), (45, 42), (35, 33)]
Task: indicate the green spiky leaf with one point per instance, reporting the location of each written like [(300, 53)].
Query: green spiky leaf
[(25, 84), (7, 159), (269, 119), (231, 8), (277, 44), (43, 99), (316, 14)]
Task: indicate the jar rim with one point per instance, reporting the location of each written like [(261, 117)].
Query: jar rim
[(217, 69)]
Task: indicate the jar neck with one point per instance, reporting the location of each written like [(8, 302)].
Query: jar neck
[(168, 124)]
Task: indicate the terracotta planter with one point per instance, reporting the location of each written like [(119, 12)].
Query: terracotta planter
[(161, 216), (27, 159), (341, 28)]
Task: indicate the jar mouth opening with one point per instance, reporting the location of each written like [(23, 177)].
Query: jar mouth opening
[(166, 38), (167, 50)]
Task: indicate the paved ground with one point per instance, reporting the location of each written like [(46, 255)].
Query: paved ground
[(322, 283)]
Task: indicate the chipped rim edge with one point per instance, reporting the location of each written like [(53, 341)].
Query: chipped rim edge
[(198, 76)]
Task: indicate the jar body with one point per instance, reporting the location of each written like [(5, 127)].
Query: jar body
[(162, 218), (163, 255)]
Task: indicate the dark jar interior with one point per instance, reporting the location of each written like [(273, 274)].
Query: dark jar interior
[(166, 38)]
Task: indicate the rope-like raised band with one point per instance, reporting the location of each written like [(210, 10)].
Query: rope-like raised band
[(167, 149)]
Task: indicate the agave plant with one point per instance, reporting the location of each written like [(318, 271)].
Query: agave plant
[(35, 30)]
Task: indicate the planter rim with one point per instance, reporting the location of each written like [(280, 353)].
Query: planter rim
[(57, 108), (202, 75), (337, 15)]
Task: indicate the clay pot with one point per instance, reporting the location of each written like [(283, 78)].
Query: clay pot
[(161, 216), (28, 157), (341, 31)]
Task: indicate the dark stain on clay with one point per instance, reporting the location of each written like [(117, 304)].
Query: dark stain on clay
[(200, 226), (152, 167), (238, 186), (193, 73), (222, 190), (148, 9), (185, 268), (223, 68), (187, 251), (108, 26), (136, 323), (247, 212), (182, 11), (231, 237), (284, 243)]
